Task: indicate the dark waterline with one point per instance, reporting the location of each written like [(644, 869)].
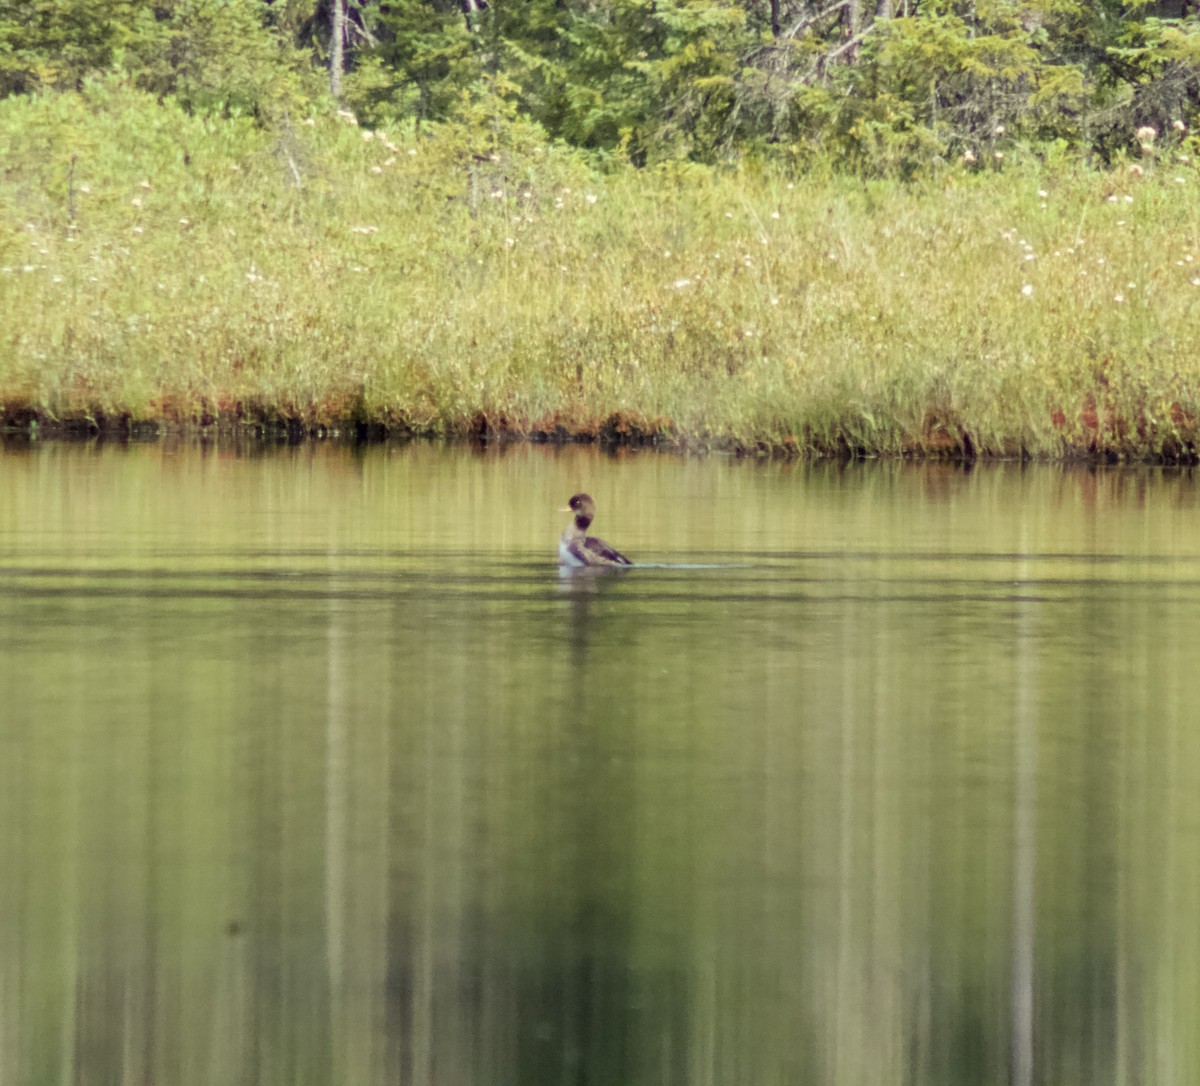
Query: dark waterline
[(314, 769)]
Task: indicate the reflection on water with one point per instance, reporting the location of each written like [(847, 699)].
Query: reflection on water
[(314, 769)]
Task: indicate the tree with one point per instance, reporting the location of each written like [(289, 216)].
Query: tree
[(337, 46), (58, 43)]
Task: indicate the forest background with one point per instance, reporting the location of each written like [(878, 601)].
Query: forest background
[(841, 225)]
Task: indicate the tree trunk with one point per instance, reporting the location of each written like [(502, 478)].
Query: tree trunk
[(884, 9), (852, 19), (776, 28), (337, 47), (471, 8)]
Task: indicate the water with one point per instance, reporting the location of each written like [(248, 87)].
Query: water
[(314, 770)]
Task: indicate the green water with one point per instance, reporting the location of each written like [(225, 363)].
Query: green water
[(314, 770)]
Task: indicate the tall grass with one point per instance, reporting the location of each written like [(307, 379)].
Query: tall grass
[(160, 266)]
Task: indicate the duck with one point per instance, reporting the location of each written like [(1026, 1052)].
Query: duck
[(577, 548)]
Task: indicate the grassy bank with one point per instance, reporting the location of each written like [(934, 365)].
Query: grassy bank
[(158, 266)]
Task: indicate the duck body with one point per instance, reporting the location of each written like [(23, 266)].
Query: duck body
[(577, 549)]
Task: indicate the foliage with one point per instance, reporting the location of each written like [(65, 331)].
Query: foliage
[(653, 78), (211, 54), (880, 88)]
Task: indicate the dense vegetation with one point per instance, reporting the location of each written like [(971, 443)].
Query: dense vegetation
[(880, 85), (885, 226)]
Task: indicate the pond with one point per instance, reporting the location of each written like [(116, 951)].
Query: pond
[(315, 769)]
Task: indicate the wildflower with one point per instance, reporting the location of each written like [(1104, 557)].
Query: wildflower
[(1178, 125), (85, 188), (136, 201), (1027, 290), (680, 284), (1127, 198), (968, 156), (364, 229), (1196, 282), (774, 214), (1136, 170), (310, 121), (999, 156), (412, 152), (1042, 193), (729, 214), (774, 301), (497, 194), (367, 135), (1180, 181), (1183, 159), (509, 242), (377, 169), (1146, 134), (347, 116), (390, 160), (590, 198), (137, 230), (185, 222), (145, 184), (1118, 298), (1112, 198)]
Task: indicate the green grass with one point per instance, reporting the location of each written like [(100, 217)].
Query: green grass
[(159, 266)]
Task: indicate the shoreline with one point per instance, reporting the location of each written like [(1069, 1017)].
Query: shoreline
[(617, 432)]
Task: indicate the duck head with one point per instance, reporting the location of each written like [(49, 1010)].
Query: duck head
[(584, 509)]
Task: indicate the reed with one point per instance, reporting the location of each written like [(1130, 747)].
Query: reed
[(180, 269)]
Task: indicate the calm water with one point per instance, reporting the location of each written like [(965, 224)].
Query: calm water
[(314, 770)]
